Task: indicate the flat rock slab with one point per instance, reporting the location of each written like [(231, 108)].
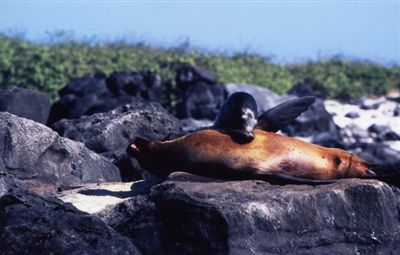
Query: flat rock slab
[(186, 215), (93, 198)]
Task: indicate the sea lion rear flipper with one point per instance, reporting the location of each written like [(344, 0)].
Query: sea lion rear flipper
[(281, 179), (281, 115)]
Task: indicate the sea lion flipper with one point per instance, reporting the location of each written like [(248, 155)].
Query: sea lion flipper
[(281, 179), (281, 115)]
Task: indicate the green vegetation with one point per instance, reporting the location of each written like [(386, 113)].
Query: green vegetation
[(48, 67)]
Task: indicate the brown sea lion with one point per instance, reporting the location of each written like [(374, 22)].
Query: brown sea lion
[(268, 156)]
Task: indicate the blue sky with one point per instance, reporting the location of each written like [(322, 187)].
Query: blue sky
[(287, 31)]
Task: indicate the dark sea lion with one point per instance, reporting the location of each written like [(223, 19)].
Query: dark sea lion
[(239, 116), (270, 156)]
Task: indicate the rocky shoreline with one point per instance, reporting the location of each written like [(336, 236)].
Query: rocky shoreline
[(70, 187)]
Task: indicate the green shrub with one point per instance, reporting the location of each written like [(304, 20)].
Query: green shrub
[(49, 66), (339, 78)]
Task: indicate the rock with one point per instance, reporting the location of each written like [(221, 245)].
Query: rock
[(384, 132), (352, 115), (354, 136), (186, 215), (35, 224), (98, 93), (265, 98), (41, 160), (110, 133), (190, 125), (25, 103), (369, 104), (302, 89), (200, 101), (396, 112), (329, 139), (379, 153), (188, 74), (94, 198), (314, 121), (145, 85)]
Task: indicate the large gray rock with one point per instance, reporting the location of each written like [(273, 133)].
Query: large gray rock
[(25, 103), (110, 133), (40, 159), (35, 224), (187, 215)]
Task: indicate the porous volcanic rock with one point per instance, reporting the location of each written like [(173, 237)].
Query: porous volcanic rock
[(39, 159), (110, 133), (25, 103), (34, 224), (98, 93), (188, 215)]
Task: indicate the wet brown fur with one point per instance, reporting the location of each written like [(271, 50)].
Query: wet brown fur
[(213, 153)]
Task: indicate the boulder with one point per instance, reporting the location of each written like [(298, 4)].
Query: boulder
[(371, 104), (200, 101), (39, 159), (98, 93), (352, 115), (265, 98), (34, 224), (187, 74), (192, 215), (145, 85), (314, 121), (25, 103), (110, 133)]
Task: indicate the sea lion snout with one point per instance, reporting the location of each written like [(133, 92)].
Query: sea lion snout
[(138, 146)]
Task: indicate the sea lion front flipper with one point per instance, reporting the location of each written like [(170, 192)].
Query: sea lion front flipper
[(281, 115), (281, 179)]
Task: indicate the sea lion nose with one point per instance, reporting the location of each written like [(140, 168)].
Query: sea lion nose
[(370, 174), (132, 150)]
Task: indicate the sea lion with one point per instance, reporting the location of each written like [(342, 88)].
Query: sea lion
[(239, 115), (268, 156)]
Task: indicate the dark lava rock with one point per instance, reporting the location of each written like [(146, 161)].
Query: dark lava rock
[(329, 139), (35, 224), (374, 128), (186, 215), (396, 111), (384, 133), (25, 103), (41, 160), (200, 101), (378, 153), (198, 94), (302, 89), (187, 74), (145, 85), (352, 115), (313, 121), (93, 94), (190, 125), (110, 133), (368, 104)]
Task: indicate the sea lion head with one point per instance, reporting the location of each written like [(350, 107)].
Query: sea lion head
[(238, 117), (149, 156)]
